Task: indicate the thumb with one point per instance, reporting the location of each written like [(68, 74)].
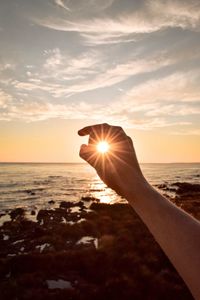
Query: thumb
[(88, 153), (83, 153)]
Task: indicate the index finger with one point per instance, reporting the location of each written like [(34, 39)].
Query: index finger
[(93, 128)]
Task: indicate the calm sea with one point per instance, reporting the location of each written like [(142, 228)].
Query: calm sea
[(33, 185)]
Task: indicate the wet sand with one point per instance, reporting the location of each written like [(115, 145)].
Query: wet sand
[(95, 251)]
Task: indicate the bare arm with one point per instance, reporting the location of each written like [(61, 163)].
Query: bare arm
[(177, 232)]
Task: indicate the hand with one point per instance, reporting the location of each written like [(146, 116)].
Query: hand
[(118, 167)]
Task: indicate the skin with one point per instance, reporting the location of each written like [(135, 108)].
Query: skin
[(177, 232)]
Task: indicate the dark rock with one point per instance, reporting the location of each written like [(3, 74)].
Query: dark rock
[(33, 213), (30, 192), (80, 204), (185, 187), (17, 213), (128, 263), (162, 186), (88, 198), (42, 214), (66, 204), (51, 202)]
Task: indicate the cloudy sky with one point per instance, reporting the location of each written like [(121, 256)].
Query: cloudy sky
[(65, 64)]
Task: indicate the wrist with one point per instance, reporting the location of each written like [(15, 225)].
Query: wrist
[(136, 187)]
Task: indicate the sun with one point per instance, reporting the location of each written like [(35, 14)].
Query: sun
[(103, 147)]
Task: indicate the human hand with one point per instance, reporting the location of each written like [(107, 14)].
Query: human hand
[(118, 167)]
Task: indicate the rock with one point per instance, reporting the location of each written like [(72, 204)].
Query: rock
[(33, 213), (185, 187), (30, 192), (51, 202), (42, 214), (59, 284), (66, 204), (106, 241), (162, 186), (80, 204), (89, 198), (17, 213), (50, 217), (111, 255)]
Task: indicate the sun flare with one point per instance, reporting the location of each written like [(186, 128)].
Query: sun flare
[(102, 147)]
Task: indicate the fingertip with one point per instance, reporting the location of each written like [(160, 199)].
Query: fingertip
[(80, 132)]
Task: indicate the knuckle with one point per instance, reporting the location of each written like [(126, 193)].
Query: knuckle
[(119, 128)]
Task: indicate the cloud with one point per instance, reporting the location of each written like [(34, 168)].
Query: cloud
[(34, 85), (141, 116), (79, 7), (188, 132), (63, 75), (62, 4), (179, 87), (4, 98), (147, 106), (6, 102), (66, 67), (90, 72), (36, 111), (106, 39), (117, 74), (55, 59), (141, 80), (7, 66), (136, 19), (174, 109)]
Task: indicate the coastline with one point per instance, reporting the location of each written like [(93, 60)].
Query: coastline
[(89, 249)]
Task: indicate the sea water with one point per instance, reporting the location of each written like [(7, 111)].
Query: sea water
[(33, 185)]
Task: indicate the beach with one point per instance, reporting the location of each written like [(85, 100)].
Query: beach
[(86, 249)]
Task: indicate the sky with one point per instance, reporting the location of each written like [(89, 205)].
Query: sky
[(65, 64)]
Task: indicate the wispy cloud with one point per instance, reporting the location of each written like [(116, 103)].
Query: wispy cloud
[(149, 17), (62, 4), (84, 73), (174, 109), (36, 111), (63, 75), (148, 77), (179, 87), (66, 67), (80, 7), (5, 99), (7, 66), (186, 132)]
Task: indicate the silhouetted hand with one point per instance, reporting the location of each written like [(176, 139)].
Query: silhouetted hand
[(118, 167)]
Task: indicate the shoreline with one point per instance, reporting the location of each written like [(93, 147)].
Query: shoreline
[(89, 249)]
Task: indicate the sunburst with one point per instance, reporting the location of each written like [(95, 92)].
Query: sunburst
[(103, 147)]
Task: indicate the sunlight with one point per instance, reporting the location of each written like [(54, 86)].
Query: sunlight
[(103, 147)]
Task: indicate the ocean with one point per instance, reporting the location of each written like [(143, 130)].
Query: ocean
[(33, 185)]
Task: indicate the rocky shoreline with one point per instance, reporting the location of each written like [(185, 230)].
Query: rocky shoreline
[(81, 251)]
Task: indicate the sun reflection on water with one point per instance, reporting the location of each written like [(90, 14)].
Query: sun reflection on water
[(99, 190)]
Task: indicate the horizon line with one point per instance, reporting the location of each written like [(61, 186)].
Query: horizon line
[(42, 162)]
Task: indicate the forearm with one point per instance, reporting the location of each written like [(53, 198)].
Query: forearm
[(177, 232)]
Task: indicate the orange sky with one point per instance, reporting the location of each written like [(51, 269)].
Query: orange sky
[(57, 141)]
